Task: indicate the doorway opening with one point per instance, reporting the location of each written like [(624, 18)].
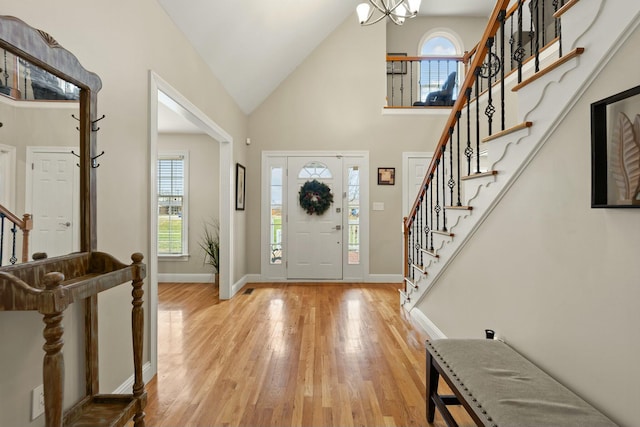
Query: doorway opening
[(162, 92)]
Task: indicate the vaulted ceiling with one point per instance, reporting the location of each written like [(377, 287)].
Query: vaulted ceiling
[(253, 45)]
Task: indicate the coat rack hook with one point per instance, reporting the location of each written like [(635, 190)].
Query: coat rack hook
[(95, 128), (95, 164), (73, 115), (77, 155)]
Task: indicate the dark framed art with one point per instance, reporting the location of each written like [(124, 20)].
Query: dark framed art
[(386, 176), (615, 151), (240, 186)]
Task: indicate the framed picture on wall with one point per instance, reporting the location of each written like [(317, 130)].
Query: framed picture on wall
[(240, 187), (615, 151), (386, 176)]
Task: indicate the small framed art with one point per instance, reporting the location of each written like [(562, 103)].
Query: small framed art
[(240, 187), (386, 176)]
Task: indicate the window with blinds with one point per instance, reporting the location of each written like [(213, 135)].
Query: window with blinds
[(172, 191)]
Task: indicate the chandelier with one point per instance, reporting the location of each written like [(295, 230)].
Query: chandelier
[(396, 10)]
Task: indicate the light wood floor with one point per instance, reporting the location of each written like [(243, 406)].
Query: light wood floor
[(288, 355)]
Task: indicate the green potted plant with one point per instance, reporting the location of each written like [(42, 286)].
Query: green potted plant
[(210, 244)]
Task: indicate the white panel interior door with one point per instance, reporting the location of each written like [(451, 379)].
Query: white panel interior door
[(314, 241), (416, 170), (54, 203)]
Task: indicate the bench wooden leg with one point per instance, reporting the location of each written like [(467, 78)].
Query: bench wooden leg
[(432, 387)]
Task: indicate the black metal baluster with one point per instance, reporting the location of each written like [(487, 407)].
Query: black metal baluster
[(544, 25), (444, 197), (13, 258), (490, 110), (437, 208), (537, 11), (468, 152), (559, 28), (1, 237), (451, 184), (393, 86), (411, 83), (402, 63), (6, 71), (501, 17), (409, 259), (25, 83), (477, 153), (416, 246), (531, 27), (520, 52), (427, 227), (511, 43), (419, 232), (458, 115), (432, 210)]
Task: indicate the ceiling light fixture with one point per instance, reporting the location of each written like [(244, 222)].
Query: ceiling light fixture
[(396, 10)]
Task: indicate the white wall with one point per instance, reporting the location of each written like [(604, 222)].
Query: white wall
[(120, 41), (203, 197), (558, 279), (333, 101)]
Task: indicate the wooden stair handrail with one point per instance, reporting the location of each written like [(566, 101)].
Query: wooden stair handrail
[(469, 81), (25, 224)]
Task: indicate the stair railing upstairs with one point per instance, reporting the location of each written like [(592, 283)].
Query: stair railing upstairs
[(25, 224), (411, 78), (441, 188)]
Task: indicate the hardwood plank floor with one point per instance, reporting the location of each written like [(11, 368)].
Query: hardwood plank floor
[(288, 355)]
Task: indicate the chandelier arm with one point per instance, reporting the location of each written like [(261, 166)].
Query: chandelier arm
[(409, 14), (382, 9), (367, 23), (382, 6), (395, 20)]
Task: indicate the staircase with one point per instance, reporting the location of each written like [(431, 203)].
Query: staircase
[(449, 211)]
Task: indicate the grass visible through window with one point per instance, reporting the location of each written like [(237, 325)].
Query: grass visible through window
[(169, 234)]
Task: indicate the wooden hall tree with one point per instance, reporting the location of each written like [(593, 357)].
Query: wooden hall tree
[(49, 286)]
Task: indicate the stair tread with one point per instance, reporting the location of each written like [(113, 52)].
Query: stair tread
[(459, 208), (442, 233), (512, 129), (430, 253), (568, 5), (574, 53), (420, 268), (479, 175)]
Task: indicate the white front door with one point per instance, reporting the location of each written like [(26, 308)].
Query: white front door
[(314, 241), (54, 201)]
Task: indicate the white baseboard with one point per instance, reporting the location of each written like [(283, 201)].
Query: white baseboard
[(127, 386), (373, 278), (430, 328), (185, 278), (239, 285)]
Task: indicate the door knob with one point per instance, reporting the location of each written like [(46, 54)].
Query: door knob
[(337, 227), (66, 224)]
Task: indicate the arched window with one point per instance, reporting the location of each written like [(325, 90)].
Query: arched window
[(434, 73)]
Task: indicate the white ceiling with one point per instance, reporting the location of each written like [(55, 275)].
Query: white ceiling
[(253, 45)]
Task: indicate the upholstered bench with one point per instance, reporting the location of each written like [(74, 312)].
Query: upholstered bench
[(498, 387)]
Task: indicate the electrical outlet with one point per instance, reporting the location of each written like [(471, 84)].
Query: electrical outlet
[(37, 402)]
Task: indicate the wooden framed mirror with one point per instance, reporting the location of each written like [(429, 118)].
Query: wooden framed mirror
[(37, 70)]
